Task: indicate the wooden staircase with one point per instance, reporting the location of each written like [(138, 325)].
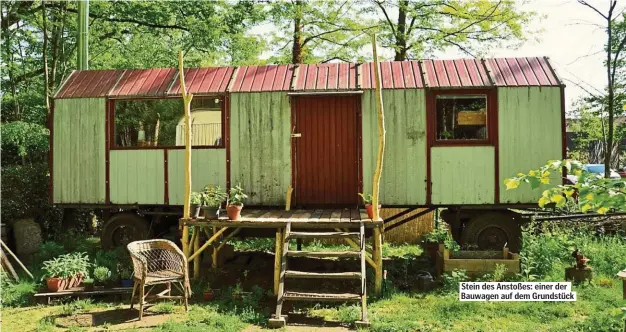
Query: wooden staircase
[(279, 320)]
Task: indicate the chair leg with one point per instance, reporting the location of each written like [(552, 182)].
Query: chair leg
[(141, 295), (186, 296), (132, 297)]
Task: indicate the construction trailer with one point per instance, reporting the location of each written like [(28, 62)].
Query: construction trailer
[(455, 130)]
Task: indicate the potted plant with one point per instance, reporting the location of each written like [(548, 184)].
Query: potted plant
[(78, 266), (440, 235), (367, 201), (195, 202), (237, 293), (235, 202), (208, 294), (89, 284), (101, 275), (212, 201), (55, 274), (126, 275)]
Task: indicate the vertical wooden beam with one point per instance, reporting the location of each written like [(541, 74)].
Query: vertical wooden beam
[(381, 132), (378, 260), (196, 247), (187, 105), (215, 252), (278, 250)]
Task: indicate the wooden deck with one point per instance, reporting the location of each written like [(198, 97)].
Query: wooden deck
[(321, 218)]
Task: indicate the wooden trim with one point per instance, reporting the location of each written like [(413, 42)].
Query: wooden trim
[(112, 145), (359, 143), (294, 197), (496, 154), (166, 198), (51, 152), (563, 133), (226, 135), (325, 93)]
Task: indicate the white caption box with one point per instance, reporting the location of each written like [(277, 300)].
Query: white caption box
[(517, 291)]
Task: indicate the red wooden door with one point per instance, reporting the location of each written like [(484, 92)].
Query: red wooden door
[(326, 142)]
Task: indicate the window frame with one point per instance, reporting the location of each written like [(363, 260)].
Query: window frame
[(492, 119), (111, 120)]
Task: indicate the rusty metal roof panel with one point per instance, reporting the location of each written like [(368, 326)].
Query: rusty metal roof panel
[(203, 81), (89, 83), (458, 73), (393, 74), (143, 83), (326, 77), (262, 78), (531, 71)]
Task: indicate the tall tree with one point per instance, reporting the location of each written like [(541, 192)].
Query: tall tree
[(615, 44), (424, 26), (317, 30)]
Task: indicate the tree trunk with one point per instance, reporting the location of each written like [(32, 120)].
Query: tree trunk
[(296, 52), (46, 90), (401, 37), (611, 99)]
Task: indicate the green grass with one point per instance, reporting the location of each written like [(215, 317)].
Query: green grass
[(163, 308), (205, 318)]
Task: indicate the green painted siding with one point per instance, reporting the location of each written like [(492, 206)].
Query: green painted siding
[(137, 176), (404, 168), (208, 166), (79, 151), (260, 145), (529, 135), (463, 175)]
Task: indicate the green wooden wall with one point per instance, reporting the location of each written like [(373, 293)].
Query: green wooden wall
[(208, 166), (529, 135), (404, 169), (463, 175), (260, 154), (79, 151), (137, 176)]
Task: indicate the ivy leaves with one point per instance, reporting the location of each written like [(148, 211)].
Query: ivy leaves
[(589, 193)]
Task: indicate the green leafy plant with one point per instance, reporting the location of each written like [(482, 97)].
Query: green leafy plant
[(213, 196), (101, 274), (594, 193), (367, 198), (66, 266), (195, 198), (124, 271), (236, 196), (441, 234), (452, 280)]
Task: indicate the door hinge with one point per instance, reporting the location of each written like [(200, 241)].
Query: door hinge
[(296, 135)]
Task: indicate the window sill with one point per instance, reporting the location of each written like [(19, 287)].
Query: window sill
[(462, 143)]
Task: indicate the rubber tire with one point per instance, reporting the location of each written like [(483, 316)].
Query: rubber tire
[(138, 228), (507, 223)]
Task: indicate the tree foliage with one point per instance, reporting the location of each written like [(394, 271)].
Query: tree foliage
[(590, 193)]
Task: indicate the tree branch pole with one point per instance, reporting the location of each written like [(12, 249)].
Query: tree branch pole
[(187, 102), (377, 236)]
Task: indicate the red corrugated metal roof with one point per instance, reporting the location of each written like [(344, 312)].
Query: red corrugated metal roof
[(394, 75), (204, 80), (89, 83), (459, 73), (326, 76), (144, 82), (262, 78)]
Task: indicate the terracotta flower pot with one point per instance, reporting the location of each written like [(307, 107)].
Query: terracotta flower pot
[(56, 284), (234, 211), (370, 210)]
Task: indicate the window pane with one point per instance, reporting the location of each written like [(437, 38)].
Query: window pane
[(160, 122), (461, 117)]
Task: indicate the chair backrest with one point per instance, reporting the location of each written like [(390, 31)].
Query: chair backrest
[(156, 255)]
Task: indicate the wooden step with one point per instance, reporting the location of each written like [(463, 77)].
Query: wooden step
[(323, 235), (323, 254), (323, 275), (339, 297)]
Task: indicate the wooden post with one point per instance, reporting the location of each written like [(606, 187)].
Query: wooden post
[(378, 260), (187, 105), (196, 247), (278, 250), (381, 132), (215, 253)]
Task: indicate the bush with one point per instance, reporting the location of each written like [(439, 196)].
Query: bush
[(25, 192), (23, 141), (15, 294)]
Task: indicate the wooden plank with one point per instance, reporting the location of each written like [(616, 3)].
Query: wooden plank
[(325, 235), (335, 216), (355, 216), (322, 275), (345, 215), (324, 254), (339, 297), (364, 216), (265, 216), (317, 214), (325, 216), (81, 291)]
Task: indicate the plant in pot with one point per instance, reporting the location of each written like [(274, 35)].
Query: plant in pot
[(78, 267), (195, 202), (367, 201), (56, 274), (89, 284), (440, 235), (126, 275), (237, 293), (101, 275), (235, 202), (212, 201), (208, 294)]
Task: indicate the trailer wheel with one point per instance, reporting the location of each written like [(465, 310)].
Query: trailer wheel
[(122, 229), (491, 231)]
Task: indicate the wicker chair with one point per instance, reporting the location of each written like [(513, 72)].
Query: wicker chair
[(158, 262)]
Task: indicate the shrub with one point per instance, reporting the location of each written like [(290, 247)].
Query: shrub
[(15, 294), (452, 280), (101, 274)]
